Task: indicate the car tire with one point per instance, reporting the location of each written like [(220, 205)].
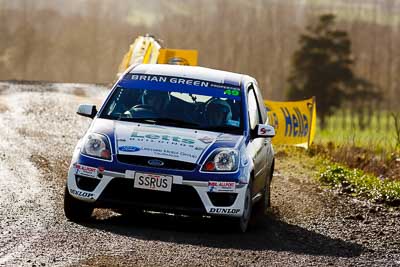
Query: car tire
[(268, 187), (242, 223), (261, 207), (76, 210)]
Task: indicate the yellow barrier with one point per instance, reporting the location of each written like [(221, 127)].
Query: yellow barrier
[(294, 122), (178, 57), (145, 50)]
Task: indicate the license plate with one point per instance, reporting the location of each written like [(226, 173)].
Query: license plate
[(153, 182)]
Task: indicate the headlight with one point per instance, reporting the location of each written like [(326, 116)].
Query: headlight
[(222, 160), (96, 145)]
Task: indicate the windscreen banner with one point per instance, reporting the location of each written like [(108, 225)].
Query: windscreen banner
[(178, 57), (294, 122)]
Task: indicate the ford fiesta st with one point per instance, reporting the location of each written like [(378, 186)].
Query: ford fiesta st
[(180, 139)]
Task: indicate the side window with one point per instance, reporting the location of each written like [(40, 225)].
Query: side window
[(261, 106), (254, 114)]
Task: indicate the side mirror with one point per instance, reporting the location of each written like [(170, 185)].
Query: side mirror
[(87, 110), (265, 130)]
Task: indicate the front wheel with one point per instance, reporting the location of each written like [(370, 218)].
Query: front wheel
[(242, 223), (262, 206), (76, 210)]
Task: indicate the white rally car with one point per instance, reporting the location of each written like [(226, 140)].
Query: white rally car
[(177, 139)]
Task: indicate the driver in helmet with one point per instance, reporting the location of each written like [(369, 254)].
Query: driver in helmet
[(218, 113), (157, 100)]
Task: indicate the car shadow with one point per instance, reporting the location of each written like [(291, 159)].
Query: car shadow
[(268, 234)]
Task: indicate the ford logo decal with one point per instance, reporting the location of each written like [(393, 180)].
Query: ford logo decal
[(129, 148), (155, 162)]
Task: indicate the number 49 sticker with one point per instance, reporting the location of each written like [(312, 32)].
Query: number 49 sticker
[(232, 92)]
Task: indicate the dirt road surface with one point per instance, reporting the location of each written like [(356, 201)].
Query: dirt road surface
[(308, 225)]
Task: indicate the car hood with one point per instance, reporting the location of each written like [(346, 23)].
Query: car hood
[(165, 142)]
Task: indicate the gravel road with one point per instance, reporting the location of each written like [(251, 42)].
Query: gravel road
[(308, 225)]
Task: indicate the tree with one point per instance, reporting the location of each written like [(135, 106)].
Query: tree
[(322, 66)]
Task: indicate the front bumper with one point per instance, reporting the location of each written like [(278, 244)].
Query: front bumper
[(116, 190)]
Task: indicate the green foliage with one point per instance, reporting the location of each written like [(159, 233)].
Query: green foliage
[(358, 183), (322, 67)]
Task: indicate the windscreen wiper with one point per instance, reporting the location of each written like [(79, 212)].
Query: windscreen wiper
[(174, 122), (132, 119), (222, 128), (163, 121)]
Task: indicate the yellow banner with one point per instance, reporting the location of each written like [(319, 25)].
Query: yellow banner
[(178, 57), (294, 122)]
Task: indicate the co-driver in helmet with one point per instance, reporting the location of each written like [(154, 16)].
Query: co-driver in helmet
[(218, 113)]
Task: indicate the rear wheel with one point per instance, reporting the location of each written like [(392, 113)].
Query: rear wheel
[(76, 210)]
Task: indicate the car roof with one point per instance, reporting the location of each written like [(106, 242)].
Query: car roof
[(192, 72)]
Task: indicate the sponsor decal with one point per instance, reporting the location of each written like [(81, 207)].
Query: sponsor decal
[(294, 121), (160, 143), (188, 85), (221, 186), (232, 92), (224, 211), (129, 148), (85, 170), (81, 193), (164, 137), (264, 131), (168, 79)]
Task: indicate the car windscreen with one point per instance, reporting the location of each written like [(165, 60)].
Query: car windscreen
[(195, 104)]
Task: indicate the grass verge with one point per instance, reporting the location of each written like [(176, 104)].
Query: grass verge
[(358, 183)]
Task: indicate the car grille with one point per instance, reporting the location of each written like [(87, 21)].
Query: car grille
[(86, 183), (120, 191), (168, 163), (222, 199)]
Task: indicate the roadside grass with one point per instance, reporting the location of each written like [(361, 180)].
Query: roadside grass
[(360, 184), (359, 162), (342, 178), (379, 136), (375, 149)]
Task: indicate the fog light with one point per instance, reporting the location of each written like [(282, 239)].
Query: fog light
[(210, 166)]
